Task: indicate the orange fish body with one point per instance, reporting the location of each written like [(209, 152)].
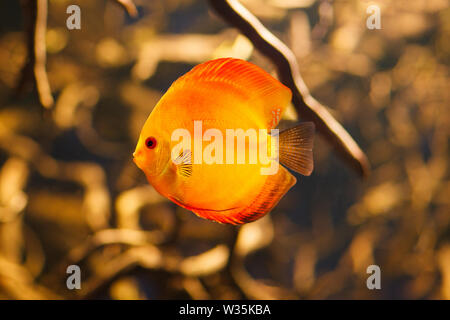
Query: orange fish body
[(218, 96)]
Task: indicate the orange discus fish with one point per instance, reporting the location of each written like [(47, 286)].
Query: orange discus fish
[(212, 172)]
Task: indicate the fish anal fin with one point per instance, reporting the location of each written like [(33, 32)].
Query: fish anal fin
[(267, 96), (273, 190)]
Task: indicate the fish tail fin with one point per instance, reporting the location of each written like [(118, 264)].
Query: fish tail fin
[(295, 150)]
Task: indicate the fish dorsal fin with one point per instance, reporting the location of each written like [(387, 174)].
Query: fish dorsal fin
[(265, 95)]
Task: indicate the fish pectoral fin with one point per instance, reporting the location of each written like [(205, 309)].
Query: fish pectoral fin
[(295, 150), (183, 163), (273, 190)]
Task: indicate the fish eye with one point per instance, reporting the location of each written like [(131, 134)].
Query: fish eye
[(150, 142)]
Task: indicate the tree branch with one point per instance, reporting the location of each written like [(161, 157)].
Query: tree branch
[(35, 16), (129, 6), (284, 59)]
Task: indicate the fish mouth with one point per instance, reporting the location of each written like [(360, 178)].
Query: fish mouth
[(136, 159)]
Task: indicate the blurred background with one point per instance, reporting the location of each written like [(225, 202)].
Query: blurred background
[(70, 193)]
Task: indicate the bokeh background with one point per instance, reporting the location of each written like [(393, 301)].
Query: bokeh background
[(70, 193)]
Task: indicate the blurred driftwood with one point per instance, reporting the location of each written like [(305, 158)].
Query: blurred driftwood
[(35, 14), (129, 6), (284, 59)]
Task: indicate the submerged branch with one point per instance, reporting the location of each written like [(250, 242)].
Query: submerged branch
[(40, 56), (129, 6), (308, 108), (35, 16)]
